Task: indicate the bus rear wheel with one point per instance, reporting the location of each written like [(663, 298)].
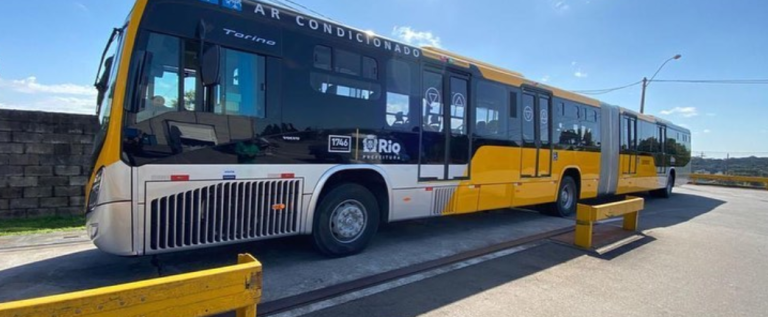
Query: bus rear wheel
[(346, 220), (567, 198), (665, 192)]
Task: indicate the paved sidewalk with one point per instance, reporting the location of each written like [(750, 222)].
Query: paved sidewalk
[(15, 242)]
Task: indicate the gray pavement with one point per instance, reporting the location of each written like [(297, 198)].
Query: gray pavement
[(16, 242), (291, 266), (705, 254)]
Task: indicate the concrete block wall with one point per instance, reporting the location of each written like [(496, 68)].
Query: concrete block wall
[(44, 162)]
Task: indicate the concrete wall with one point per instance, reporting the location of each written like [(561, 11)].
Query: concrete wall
[(44, 162)]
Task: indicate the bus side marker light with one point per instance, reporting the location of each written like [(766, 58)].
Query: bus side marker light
[(278, 206), (179, 178)]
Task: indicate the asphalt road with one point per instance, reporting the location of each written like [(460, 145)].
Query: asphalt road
[(705, 254), (291, 266)]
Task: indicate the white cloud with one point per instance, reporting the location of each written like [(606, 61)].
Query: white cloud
[(561, 6), (413, 37), (706, 131), (685, 112), (81, 6), (580, 74), (545, 78), (57, 104), (573, 63), (30, 85)]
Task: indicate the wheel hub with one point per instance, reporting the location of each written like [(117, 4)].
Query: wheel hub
[(566, 197), (348, 221)]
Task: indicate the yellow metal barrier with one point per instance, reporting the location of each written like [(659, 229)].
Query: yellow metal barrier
[(729, 178), (204, 293), (586, 216)]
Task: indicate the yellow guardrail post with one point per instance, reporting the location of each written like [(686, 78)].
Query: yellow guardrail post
[(587, 215), (584, 226), (197, 294), (729, 178)]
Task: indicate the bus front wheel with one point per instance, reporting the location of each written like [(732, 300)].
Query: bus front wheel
[(346, 220)]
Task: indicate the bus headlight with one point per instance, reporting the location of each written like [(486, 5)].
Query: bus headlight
[(93, 197)]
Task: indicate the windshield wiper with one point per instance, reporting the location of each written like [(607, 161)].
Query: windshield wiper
[(115, 33), (101, 81)]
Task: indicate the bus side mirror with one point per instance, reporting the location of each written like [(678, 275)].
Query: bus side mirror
[(210, 66)]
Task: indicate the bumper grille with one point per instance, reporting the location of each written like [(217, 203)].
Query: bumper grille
[(225, 212)]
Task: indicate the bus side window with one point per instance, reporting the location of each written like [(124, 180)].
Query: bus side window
[(323, 57), (398, 114), (491, 111), (242, 89)]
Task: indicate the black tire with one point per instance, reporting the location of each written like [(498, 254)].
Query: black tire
[(350, 200), (567, 199), (665, 192)]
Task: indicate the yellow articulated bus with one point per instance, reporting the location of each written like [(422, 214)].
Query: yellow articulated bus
[(232, 121)]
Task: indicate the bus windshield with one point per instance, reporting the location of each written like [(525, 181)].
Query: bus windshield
[(199, 119)]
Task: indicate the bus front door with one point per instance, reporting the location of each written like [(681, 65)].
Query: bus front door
[(444, 140)]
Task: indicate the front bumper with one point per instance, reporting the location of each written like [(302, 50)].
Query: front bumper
[(110, 227)]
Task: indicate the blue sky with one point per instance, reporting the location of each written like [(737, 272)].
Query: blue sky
[(49, 52)]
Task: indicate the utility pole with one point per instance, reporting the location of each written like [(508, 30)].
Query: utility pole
[(642, 97), (646, 81)]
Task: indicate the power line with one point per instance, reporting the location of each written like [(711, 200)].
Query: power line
[(283, 4), (680, 81), (715, 81), (607, 90), (308, 9)]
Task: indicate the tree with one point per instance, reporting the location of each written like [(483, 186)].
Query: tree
[(189, 101)]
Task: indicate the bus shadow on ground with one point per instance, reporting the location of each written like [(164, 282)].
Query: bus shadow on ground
[(292, 266), (452, 289)]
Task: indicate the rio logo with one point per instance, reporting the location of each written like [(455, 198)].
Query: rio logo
[(372, 144)]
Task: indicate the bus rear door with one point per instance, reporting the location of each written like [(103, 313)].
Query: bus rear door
[(444, 141), (536, 158)]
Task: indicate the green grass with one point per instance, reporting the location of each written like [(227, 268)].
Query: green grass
[(10, 227)]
